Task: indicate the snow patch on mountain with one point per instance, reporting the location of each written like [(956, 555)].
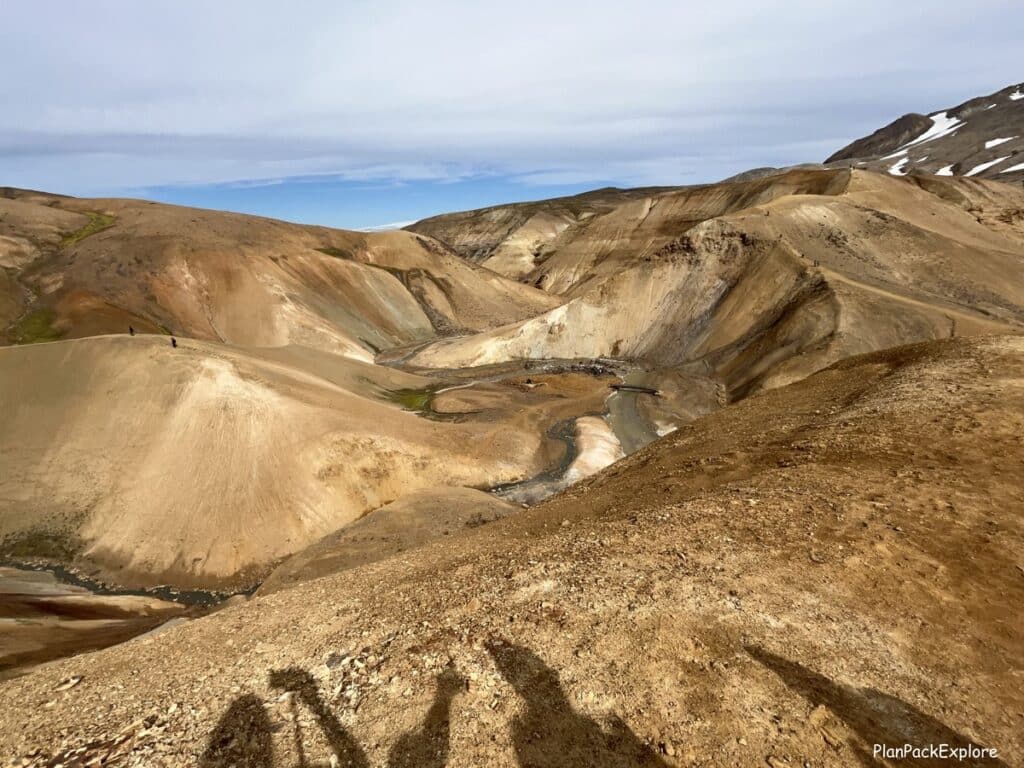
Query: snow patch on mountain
[(942, 125), (996, 142), (985, 166), (897, 168)]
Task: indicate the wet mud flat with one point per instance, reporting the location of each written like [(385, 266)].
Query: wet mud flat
[(602, 366), (74, 579), (48, 612)]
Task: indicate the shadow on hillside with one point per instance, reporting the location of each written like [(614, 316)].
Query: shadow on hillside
[(876, 717), (242, 737), (428, 746), (551, 733), (341, 742)]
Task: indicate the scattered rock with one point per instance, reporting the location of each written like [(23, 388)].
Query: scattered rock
[(70, 682)]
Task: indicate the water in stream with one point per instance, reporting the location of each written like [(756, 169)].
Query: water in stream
[(550, 481), (633, 430), (197, 597)]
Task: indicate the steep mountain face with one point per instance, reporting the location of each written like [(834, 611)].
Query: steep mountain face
[(759, 283), (790, 581), (900, 131), (983, 137)]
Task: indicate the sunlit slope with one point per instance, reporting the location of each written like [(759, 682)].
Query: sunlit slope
[(512, 239), (86, 267), (204, 465), (801, 270), (800, 576)]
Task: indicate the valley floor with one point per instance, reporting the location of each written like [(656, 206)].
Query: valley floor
[(788, 581)]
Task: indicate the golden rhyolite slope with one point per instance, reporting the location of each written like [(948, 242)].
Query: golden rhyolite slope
[(789, 581)]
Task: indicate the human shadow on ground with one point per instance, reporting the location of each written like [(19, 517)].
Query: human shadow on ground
[(427, 747), (876, 717), (304, 687), (550, 733), (241, 738)]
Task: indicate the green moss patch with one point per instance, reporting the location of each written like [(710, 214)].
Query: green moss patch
[(412, 399), (97, 223), (35, 327), (41, 543)]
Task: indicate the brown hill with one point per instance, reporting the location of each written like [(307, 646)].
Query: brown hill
[(509, 239), (762, 282), (796, 578), (76, 267), (208, 464), (205, 465)]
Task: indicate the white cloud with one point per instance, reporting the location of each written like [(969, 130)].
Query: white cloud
[(388, 227), (112, 95)]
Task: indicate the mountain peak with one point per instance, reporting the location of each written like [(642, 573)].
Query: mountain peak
[(982, 137)]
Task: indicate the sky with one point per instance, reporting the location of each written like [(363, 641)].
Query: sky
[(363, 114)]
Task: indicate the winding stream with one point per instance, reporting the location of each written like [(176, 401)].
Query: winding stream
[(632, 429), (545, 483), (202, 598)]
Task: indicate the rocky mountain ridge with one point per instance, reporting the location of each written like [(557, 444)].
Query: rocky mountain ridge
[(982, 137)]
